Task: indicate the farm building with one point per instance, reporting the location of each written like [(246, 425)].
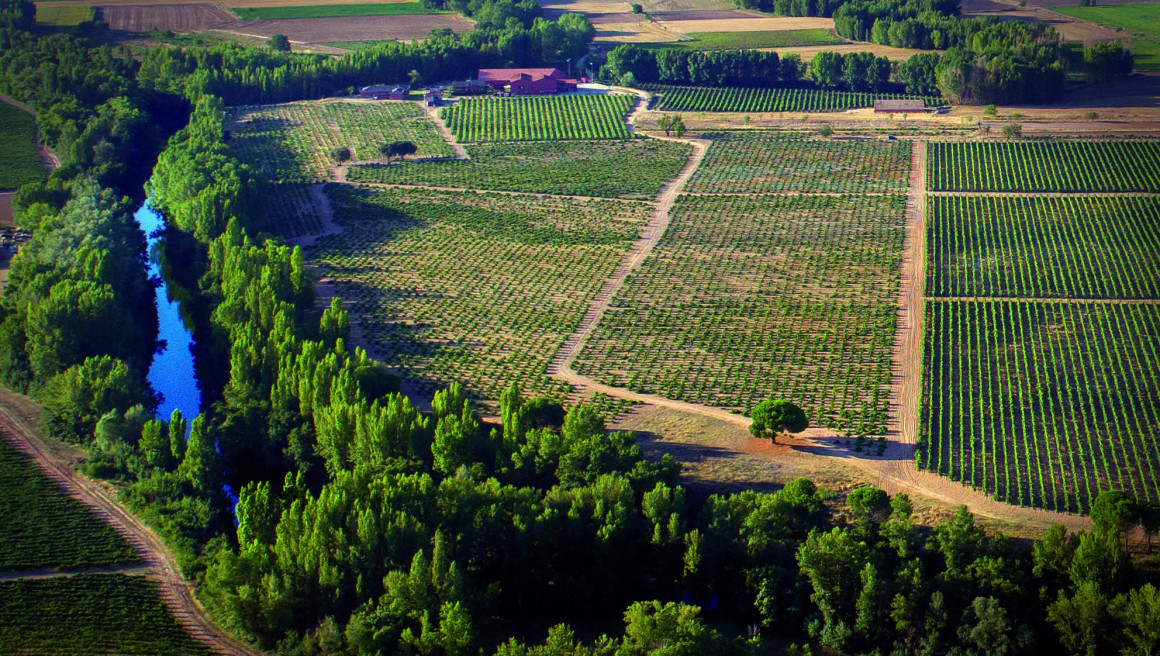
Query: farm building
[(385, 92), (432, 97), (470, 87), (527, 81), (891, 106)]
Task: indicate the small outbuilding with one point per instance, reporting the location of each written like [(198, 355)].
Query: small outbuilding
[(432, 97), (385, 92), (915, 106)]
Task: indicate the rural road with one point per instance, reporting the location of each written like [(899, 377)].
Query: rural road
[(174, 590)]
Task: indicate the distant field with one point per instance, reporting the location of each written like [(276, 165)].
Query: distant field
[(20, 162), (292, 142), (463, 286), (634, 169), (543, 118), (358, 45), (750, 40), (330, 11), (90, 614), (1143, 17), (63, 15)]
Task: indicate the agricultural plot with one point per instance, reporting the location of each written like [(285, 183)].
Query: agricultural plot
[(767, 162), (293, 142), (45, 528), (732, 99), (289, 211), (19, 161), (337, 10), (748, 297), (1043, 403), (473, 287), (703, 41), (1045, 166), (1044, 247), (90, 614), (635, 169), (540, 118)]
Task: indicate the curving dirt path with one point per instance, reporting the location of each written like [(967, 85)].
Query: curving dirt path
[(174, 590), (456, 147)]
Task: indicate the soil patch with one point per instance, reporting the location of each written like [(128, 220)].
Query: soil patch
[(358, 28), (706, 14), (189, 17), (748, 24)]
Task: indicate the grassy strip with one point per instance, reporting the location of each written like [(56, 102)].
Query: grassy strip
[(335, 11), (89, 614), (750, 40), (359, 45), (63, 16), (1141, 18), (19, 161)]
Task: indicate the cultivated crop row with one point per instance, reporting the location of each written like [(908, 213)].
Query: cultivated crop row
[(732, 99), (90, 614), (748, 297), (289, 210), (767, 161), (1060, 166), (634, 169), (474, 287), (1043, 403), (1076, 246), (540, 118), (46, 528), (293, 142)]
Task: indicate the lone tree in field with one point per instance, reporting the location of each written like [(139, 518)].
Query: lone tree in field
[(340, 155), (774, 416), (398, 149), (1013, 130), (279, 42), (678, 126)]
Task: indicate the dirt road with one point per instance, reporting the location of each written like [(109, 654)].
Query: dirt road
[(174, 590)]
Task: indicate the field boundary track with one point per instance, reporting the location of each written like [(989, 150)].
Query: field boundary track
[(173, 589)]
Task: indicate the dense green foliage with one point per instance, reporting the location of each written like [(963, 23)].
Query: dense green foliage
[(1069, 391), (1109, 166), (19, 160), (482, 288), (1043, 247), (751, 297), (90, 615), (540, 118), (744, 68), (855, 71), (731, 99), (46, 528), (635, 169)]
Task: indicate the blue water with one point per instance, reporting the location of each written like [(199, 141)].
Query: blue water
[(172, 370)]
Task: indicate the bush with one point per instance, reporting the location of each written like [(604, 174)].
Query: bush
[(637, 9), (1013, 130), (279, 42), (826, 130)]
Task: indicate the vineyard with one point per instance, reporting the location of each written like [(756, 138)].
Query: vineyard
[(19, 161), (89, 614), (747, 297), (1043, 403), (289, 211), (1043, 247), (540, 118), (474, 287), (733, 99), (635, 169), (45, 528), (293, 142), (773, 162), (1045, 166)]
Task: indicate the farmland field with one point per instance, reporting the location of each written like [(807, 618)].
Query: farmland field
[(768, 162), (189, 17), (1085, 247), (293, 142), (747, 297), (540, 118), (1043, 403), (464, 286), (613, 169), (324, 11), (19, 161), (289, 211), (63, 15), (1142, 17), (1060, 166), (45, 528), (733, 99), (749, 40), (89, 614)]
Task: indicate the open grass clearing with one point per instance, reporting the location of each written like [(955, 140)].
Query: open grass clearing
[(755, 23), (753, 40), (331, 10), (63, 15), (474, 287), (20, 161), (1134, 18)]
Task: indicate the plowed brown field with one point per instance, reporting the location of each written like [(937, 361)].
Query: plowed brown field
[(189, 17), (357, 28)]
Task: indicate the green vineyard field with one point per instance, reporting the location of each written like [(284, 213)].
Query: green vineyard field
[(90, 614), (476, 287), (289, 211), (293, 142), (747, 297), (1043, 403), (1044, 247), (771, 162), (733, 99), (540, 118), (635, 169), (19, 161), (45, 528), (1045, 166)]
